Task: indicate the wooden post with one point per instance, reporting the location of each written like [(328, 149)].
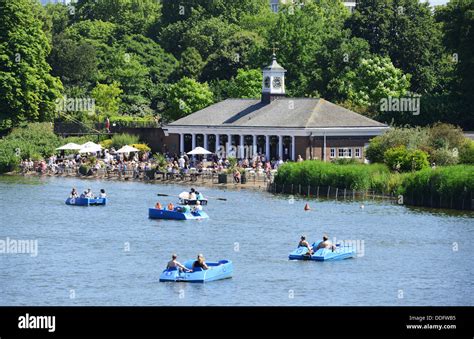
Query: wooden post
[(317, 193), (299, 189), (345, 193), (337, 190), (329, 189)]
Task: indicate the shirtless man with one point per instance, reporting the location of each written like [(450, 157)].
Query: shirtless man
[(325, 244), (173, 263)]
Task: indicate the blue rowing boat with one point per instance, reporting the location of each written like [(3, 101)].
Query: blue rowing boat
[(154, 213), (324, 254), (217, 270), (86, 201)]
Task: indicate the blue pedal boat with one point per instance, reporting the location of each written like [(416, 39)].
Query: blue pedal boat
[(324, 254), (86, 201), (154, 213), (222, 269)]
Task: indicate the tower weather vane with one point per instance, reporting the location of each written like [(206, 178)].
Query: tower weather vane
[(274, 49)]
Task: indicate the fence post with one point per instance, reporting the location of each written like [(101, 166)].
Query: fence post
[(309, 190), (299, 189), (345, 194), (329, 189), (317, 193), (337, 191)]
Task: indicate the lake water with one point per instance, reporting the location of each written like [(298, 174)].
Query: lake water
[(113, 255)]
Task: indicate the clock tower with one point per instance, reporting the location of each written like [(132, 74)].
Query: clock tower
[(273, 85)]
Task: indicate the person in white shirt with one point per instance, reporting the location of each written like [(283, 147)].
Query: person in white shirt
[(181, 162), (102, 194)]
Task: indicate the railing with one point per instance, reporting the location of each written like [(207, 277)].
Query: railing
[(433, 200)]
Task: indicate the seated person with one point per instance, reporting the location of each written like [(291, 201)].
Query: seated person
[(197, 207), (192, 196), (325, 244), (304, 243), (74, 193), (158, 206), (84, 195), (173, 263), (200, 262), (89, 193), (102, 194), (170, 206)]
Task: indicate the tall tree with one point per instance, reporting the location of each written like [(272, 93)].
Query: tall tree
[(404, 30), (457, 19), (27, 89)]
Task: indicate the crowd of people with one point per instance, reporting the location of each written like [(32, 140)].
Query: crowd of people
[(137, 163)]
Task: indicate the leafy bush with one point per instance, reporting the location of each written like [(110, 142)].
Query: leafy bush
[(402, 159), (107, 144), (444, 156), (142, 147), (466, 153), (120, 140), (35, 141)]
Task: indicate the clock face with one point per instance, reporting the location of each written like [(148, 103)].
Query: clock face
[(277, 82), (266, 83)]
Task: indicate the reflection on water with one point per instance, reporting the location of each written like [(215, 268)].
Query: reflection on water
[(113, 255)]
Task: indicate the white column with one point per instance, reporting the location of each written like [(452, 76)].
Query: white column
[(241, 150), (181, 142), (324, 148), (205, 141), (193, 141), (218, 136), (229, 145), (254, 145), (267, 147), (280, 146), (293, 148)]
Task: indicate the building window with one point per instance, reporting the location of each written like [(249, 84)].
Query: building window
[(332, 152), (274, 8), (357, 152), (345, 152)]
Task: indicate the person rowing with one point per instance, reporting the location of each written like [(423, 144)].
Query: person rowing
[(200, 262), (174, 263), (102, 194), (325, 244), (304, 243), (197, 207)]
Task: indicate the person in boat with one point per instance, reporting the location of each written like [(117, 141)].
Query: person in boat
[(304, 243), (325, 244), (173, 263), (197, 207), (170, 206), (158, 206), (74, 193), (102, 194), (89, 193), (84, 195), (200, 262)]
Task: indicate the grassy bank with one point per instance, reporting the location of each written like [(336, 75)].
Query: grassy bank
[(449, 186)]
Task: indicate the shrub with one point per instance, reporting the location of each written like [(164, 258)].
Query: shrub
[(107, 144), (142, 147), (120, 140), (444, 156), (401, 159), (466, 153)]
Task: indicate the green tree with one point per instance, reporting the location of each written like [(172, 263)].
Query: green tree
[(457, 20), (247, 84), (107, 98), (27, 89), (393, 28), (185, 97), (190, 64), (373, 80)]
